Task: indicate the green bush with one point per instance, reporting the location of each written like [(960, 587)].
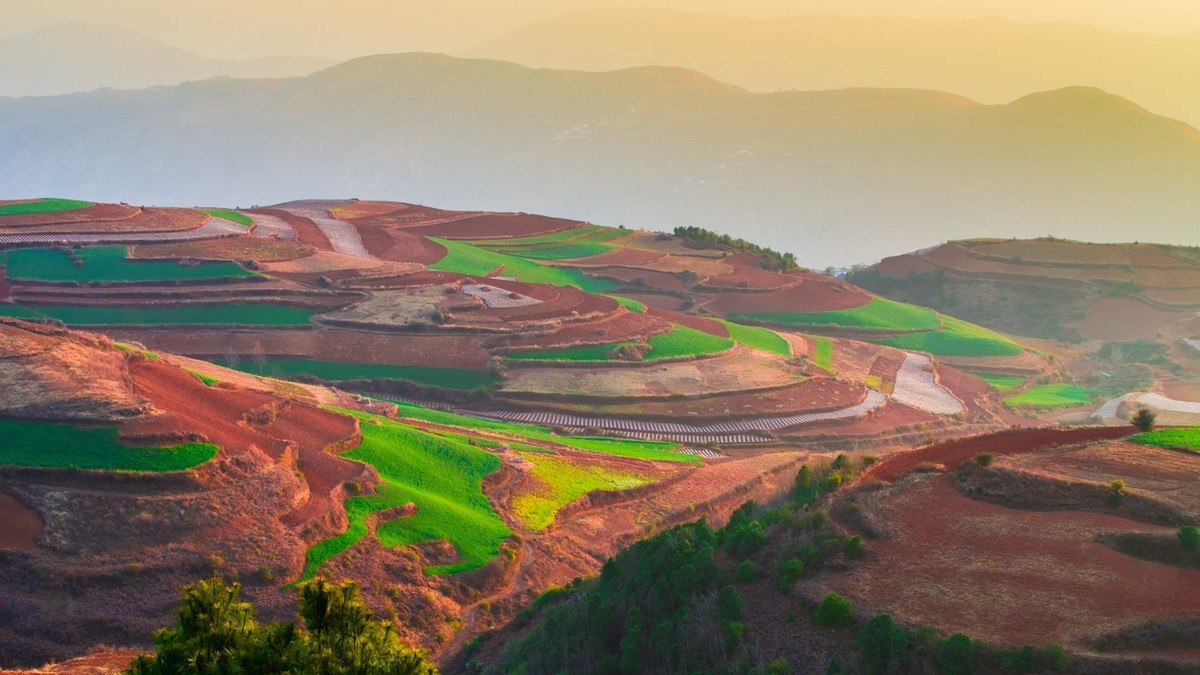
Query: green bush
[(835, 611), (1114, 493), (884, 647), (746, 572), (1189, 537), (1056, 657), (833, 482), (730, 604), (778, 667), (790, 572), (1144, 420), (984, 459), (956, 655), (853, 546)]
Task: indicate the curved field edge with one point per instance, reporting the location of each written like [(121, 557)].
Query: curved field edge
[(1183, 438), (333, 371), (111, 264), (46, 205), (230, 215), (879, 314), (956, 338), (463, 258), (1052, 396), (562, 482), (441, 476), (49, 444), (661, 451), (680, 342)]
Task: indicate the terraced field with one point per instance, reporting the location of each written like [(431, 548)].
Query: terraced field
[(1053, 396), (49, 205), (95, 315), (679, 343), (561, 482), (957, 338), (333, 371), (879, 314), (464, 258), (45, 444), (111, 264)]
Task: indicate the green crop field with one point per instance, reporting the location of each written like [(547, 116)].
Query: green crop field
[(44, 206), (464, 258), (758, 338), (233, 216), (589, 233), (879, 314), (1185, 438), (1053, 396), (1001, 382), (433, 376), (957, 338), (46, 444), (19, 312), (565, 252), (562, 483), (620, 447), (443, 477), (823, 352), (631, 305), (248, 315), (682, 341), (111, 264)]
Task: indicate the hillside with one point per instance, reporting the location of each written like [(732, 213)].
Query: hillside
[(68, 57), (995, 59), (836, 177)]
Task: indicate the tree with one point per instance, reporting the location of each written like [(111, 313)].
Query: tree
[(1143, 419), (729, 604), (884, 647), (956, 655), (1189, 537), (834, 610), (1115, 493), (218, 633)]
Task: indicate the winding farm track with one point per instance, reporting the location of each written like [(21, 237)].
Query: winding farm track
[(917, 387), (341, 234), (1111, 408), (214, 228)]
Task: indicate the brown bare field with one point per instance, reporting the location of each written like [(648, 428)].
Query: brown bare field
[(21, 525), (638, 277), (1183, 298), (691, 321), (968, 388), (571, 303), (496, 226), (5, 287), (1052, 251), (150, 219), (394, 308), (367, 209), (957, 258), (1013, 442), (747, 275), (399, 245), (738, 370), (705, 267), (1025, 363), (328, 261), (460, 351), (1181, 390), (1123, 319), (226, 248), (815, 294), (624, 326), (93, 214), (888, 420), (1043, 574), (621, 257), (663, 243), (100, 663)]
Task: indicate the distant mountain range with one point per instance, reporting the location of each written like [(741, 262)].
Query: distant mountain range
[(837, 177), (69, 57), (990, 59)]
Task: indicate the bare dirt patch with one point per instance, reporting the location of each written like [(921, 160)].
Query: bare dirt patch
[(1123, 319), (226, 248), (621, 257), (815, 294), (496, 226), (149, 219), (21, 525)]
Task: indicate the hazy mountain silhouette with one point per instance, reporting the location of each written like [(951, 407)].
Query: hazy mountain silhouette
[(835, 176), (69, 57), (990, 59)]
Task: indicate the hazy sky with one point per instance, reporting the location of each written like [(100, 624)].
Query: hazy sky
[(347, 28)]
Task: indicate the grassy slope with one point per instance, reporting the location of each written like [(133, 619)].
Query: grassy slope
[(562, 483), (1052, 396), (1001, 382), (758, 338), (433, 376), (652, 450), (879, 314), (44, 206), (957, 338), (111, 264), (823, 352), (247, 314), (682, 341), (234, 216), (442, 476), (464, 258), (1187, 438), (63, 445)]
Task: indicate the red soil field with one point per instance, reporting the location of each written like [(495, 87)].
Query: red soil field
[(955, 257), (884, 421), (368, 209), (953, 453), (426, 278), (571, 302), (1184, 298), (667, 302), (621, 327), (497, 226), (1044, 576), (1158, 277), (902, 265), (306, 230), (459, 351), (969, 389), (543, 292), (659, 281), (815, 294), (747, 275), (150, 219), (622, 257), (400, 245), (92, 214), (885, 367), (21, 525), (400, 215), (691, 321), (226, 248), (1078, 253), (5, 287), (1123, 319)]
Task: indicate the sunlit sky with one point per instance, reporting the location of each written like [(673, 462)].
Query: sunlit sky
[(348, 28)]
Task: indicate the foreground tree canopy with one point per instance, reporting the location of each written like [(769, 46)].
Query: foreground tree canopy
[(218, 633)]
